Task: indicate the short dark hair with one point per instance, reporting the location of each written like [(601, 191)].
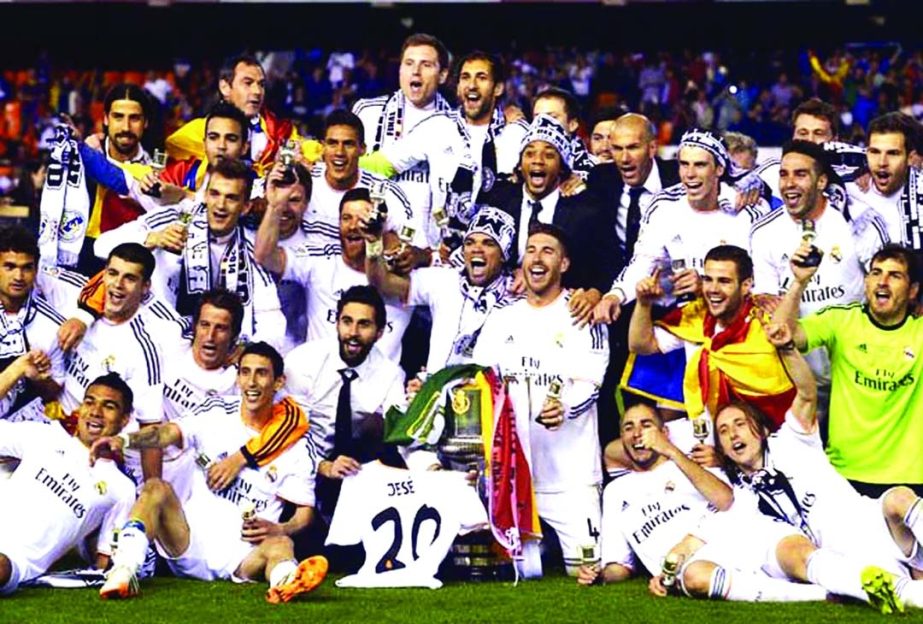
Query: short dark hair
[(136, 253), (360, 193), (267, 351), (226, 110), (126, 91), (553, 231), (343, 117), (897, 123), (424, 39), (816, 107), (18, 239), (760, 424), (368, 296), (225, 300), (648, 405), (232, 169), (732, 253), (229, 67), (497, 70), (607, 113), (571, 105), (909, 257), (114, 380), (811, 150)]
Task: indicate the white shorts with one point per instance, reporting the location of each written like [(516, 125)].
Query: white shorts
[(15, 575), (862, 531), (748, 546), (575, 517), (215, 549)]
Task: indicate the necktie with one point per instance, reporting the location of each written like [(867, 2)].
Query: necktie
[(343, 430), (533, 218), (633, 223)]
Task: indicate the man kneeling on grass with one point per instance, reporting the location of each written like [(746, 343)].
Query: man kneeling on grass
[(204, 537)]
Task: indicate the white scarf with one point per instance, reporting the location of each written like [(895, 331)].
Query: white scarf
[(234, 272), (65, 206), (391, 120)]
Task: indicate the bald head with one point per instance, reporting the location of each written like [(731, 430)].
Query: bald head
[(635, 123), (633, 148)]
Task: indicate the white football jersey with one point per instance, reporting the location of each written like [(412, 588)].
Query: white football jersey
[(55, 499), (325, 276), (889, 208), (406, 522), (217, 430), (839, 279), (532, 346), (414, 182), (321, 221), (137, 350), (828, 501), (672, 231), (645, 514)]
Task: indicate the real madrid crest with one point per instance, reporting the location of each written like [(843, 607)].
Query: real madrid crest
[(101, 487), (669, 487), (272, 474), (909, 354), (836, 253), (109, 362)]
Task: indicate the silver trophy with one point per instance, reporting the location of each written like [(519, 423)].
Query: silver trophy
[(701, 427)]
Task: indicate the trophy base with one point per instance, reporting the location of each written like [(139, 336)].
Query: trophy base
[(476, 557)]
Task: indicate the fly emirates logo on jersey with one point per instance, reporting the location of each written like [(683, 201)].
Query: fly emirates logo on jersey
[(65, 488), (883, 380), (816, 291), (656, 515), (243, 494)]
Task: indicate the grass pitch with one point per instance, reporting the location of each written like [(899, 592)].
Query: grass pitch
[(555, 599)]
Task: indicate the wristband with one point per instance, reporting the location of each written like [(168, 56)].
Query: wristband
[(788, 346), (374, 249), (126, 441)]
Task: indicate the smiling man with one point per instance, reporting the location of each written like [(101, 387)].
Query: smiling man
[(60, 499), (555, 369), (847, 247), (460, 300), (324, 273), (204, 537), (727, 353), (682, 223), (128, 339), (896, 186), (346, 384), (876, 404)]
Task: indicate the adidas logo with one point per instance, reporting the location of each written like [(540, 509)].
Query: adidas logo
[(624, 505), (509, 340), (863, 348)]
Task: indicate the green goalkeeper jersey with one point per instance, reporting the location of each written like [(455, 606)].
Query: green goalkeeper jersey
[(876, 399)]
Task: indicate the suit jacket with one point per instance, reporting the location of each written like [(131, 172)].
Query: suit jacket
[(605, 183), (590, 234)]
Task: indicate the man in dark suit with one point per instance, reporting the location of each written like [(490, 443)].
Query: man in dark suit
[(627, 185), (544, 164)]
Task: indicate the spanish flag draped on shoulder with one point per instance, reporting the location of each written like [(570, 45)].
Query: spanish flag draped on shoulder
[(511, 499), (735, 362)]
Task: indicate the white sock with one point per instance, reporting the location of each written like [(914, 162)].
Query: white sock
[(132, 546), (748, 587), (910, 592), (913, 520), (281, 571), (836, 573)]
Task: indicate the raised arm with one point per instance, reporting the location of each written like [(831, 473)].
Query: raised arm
[(390, 285), (266, 248), (788, 310), (804, 407), (641, 338)]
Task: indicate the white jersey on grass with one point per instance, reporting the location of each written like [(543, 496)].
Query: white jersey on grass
[(406, 521), (532, 346), (672, 230), (645, 514), (55, 499), (325, 276)]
